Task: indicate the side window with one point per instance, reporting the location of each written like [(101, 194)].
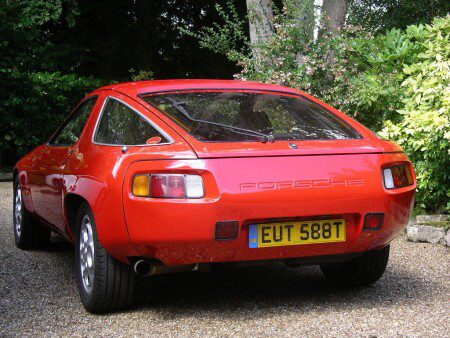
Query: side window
[(71, 130), (121, 125)]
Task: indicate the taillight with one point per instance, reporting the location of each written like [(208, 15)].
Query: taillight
[(397, 176), (168, 186)]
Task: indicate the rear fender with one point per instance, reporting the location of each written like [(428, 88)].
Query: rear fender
[(21, 170), (106, 204)]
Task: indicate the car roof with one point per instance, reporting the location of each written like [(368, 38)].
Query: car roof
[(154, 86)]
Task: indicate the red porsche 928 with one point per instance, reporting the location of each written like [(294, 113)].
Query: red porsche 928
[(166, 176)]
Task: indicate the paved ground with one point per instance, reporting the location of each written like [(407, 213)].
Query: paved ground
[(38, 297)]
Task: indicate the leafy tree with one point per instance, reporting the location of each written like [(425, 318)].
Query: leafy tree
[(383, 15), (33, 98)]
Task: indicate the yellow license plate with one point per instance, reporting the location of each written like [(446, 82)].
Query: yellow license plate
[(294, 233)]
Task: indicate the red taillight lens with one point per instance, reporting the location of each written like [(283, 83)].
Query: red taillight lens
[(158, 185), (169, 186), (397, 176), (373, 221), (175, 187)]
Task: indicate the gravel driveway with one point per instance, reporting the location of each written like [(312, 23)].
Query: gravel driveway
[(38, 297)]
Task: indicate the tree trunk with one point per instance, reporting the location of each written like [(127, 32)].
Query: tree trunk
[(260, 18), (333, 14)]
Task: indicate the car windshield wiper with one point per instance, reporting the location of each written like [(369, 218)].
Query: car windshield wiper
[(264, 138)]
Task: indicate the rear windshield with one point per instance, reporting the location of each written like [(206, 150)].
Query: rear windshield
[(226, 116)]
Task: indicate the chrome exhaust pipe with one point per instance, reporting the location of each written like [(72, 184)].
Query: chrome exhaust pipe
[(142, 268)]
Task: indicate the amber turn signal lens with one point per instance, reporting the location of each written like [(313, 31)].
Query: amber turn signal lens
[(141, 185)]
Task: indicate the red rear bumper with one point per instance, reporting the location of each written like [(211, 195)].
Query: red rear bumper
[(177, 231)]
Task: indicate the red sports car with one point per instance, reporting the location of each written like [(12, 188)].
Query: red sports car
[(165, 176)]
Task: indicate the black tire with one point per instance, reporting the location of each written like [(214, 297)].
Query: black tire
[(111, 287), (28, 233), (361, 271)]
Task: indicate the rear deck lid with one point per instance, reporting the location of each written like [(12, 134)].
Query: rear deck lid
[(282, 148)]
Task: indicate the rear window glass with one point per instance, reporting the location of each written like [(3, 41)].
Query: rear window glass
[(226, 116)]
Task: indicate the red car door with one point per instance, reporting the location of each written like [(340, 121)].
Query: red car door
[(46, 177)]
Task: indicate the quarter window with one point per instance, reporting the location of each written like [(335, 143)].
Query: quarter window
[(71, 130), (121, 125)]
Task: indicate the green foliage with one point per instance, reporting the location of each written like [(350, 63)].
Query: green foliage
[(33, 98), (29, 117), (142, 75), (227, 36), (383, 15), (424, 131)]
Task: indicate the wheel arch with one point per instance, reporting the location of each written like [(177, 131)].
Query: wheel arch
[(72, 203), (21, 175)]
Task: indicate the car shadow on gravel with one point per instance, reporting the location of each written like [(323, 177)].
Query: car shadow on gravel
[(262, 290), (58, 244)]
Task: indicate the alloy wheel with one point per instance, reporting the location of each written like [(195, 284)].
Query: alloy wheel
[(86, 243), (18, 212)]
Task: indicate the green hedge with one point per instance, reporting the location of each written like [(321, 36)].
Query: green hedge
[(33, 105)]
